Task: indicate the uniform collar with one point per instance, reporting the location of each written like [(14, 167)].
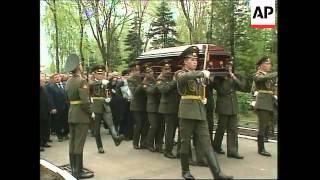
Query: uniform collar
[(264, 73), (186, 69)]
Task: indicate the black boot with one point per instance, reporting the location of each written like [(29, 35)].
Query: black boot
[(71, 159), (214, 166), (169, 155), (116, 139), (266, 135), (159, 148), (99, 143), (151, 149), (178, 149), (184, 159), (100, 150), (261, 149), (219, 150), (236, 156), (83, 174), (76, 165)]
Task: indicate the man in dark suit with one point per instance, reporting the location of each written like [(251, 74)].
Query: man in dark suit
[(58, 107), (117, 103), (126, 125)]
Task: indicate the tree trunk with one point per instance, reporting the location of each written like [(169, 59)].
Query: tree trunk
[(98, 33), (104, 55), (81, 32), (232, 28), (145, 45), (108, 40), (57, 36), (140, 17), (188, 21), (209, 37)]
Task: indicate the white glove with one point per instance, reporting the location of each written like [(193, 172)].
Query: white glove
[(53, 111), (204, 101), (253, 103), (255, 93), (93, 115), (276, 97), (107, 100), (113, 91), (206, 73), (104, 82)]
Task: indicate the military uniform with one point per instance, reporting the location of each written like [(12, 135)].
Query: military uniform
[(138, 108), (265, 102), (169, 104), (79, 112), (200, 158), (101, 108), (156, 129), (192, 114), (227, 109)]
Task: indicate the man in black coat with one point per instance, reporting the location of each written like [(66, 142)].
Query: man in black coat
[(58, 107), (44, 115), (117, 103)]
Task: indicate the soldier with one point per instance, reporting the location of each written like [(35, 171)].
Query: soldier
[(227, 109), (265, 100), (79, 115), (92, 123), (138, 108), (168, 107), (156, 129), (100, 106), (192, 114), (200, 159)]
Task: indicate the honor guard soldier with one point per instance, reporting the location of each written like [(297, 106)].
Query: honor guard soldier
[(192, 114), (227, 109), (77, 91), (138, 108), (200, 159), (265, 100), (100, 106), (156, 129), (169, 104)]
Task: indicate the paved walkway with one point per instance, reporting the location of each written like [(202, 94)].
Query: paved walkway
[(124, 162)]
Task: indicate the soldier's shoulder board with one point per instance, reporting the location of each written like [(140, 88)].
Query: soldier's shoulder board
[(84, 84), (178, 73)]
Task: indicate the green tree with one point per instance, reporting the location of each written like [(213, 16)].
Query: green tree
[(68, 30), (106, 24), (133, 41), (52, 68), (196, 19), (162, 30), (53, 7)]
